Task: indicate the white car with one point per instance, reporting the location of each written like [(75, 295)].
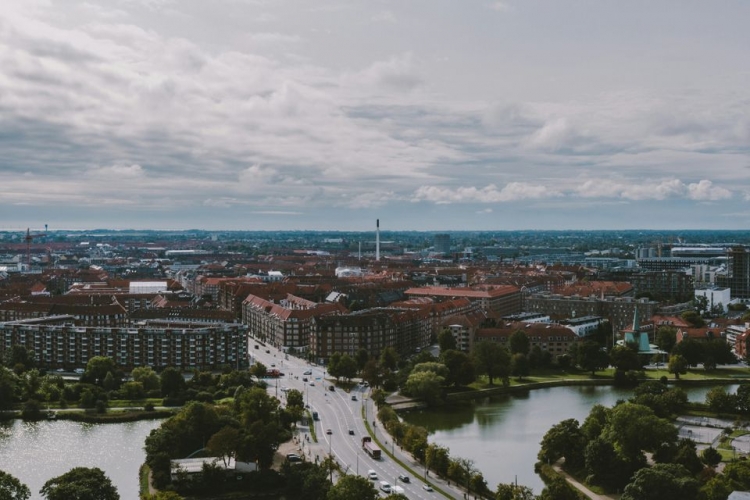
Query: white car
[(385, 486), (372, 475)]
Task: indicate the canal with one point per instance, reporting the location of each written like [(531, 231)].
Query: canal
[(35, 452), (502, 434)]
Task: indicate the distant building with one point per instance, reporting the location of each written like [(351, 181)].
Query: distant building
[(501, 300), (715, 296), (554, 338), (617, 310), (738, 273), (442, 243)]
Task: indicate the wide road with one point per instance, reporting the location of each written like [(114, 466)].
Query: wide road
[(339, 413)]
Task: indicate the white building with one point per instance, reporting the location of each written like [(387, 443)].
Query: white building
[(715, 296)]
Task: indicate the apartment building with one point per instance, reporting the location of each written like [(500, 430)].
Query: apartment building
[(183, 346)]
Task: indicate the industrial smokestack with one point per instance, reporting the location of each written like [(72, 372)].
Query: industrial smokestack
[(377, 240)]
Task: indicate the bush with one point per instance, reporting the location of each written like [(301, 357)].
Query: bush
[(148, 407)]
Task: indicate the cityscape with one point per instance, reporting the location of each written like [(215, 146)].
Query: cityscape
[(334, 250)]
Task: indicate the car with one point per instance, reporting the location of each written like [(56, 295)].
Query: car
[(293, 457), (312, 384), (308, 372), (304, 379), (351, 432), (404, 478), (372, 475), (273, 365), (385, 486), (331, 388), (80, 371), (329, 431), (268, 351), (354, 397), (427, 487), (257, 346)]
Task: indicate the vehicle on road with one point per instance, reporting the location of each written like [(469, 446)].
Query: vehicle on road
[(385, 486), (329, 431), (427, 487), (304, 379), (315, 415), (312, 384), (404, 478), (273, 365), (354, 397), (371, 448), (331, 388), (256, 346), (351, 432), (293, 457), (372, 475), (308, 372), (79, 371)]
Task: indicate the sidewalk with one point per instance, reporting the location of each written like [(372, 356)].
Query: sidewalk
[(580, 487)]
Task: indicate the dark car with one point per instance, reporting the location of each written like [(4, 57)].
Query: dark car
[(329, 431), (351, 432)]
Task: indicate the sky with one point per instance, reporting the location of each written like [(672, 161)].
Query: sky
[(431, 115)]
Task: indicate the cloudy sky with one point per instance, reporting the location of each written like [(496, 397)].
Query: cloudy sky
[(427, 114)]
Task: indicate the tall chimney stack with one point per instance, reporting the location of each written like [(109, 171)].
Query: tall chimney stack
[(377, 240)]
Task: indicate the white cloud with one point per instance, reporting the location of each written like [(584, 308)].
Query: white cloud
[(512, 191), (705, 190)]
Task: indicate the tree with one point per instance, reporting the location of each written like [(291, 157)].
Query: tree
[(12, 489), (564, 440), (350, 486), (661, 482), (691, 350), (389, 358), (519, 342), (333, 365), (558, 488), (720, 401), (624, 358), (259, 370), (519, 365), (223, 443), (97, 369), (347, 367), (603, 465), (513, 491), (711, 457), (147, 377), (666, 337), (80, 483), (693, 318), (362, 356), (425, 385), (591, 357), (19, 359), (491, 359), (437, 459), (632, 428), (446, 341), (460, 367), (371, 373), (677, 365), (9, 388), (172, 382)]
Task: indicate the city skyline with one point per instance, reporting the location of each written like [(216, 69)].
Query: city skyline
[(436, 116)]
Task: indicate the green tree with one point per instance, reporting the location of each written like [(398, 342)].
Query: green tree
[(147, 377), (350, 487), (389, 358), (491, 359), (12, 489), (624, 358), (666, 337), (80, 483), (603, 464), (223, 443), (677, 365), (362, 356), (691, 350), (446, 341), (519, 365), (437, 459), (460, 367), (564, 440), (172, 382), (19, 359), (347, 367), (519, 343), (333, 365), (10, 388), (558, 488), (633, 428), (591, 357), (693, 318), (425, 385), (711, 457), (97, 369), (259, 370), (720, 401), (662, 482), (513, 491), (371, 373)]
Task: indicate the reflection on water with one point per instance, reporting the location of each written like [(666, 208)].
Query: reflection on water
[(35, 452), (502, 434)]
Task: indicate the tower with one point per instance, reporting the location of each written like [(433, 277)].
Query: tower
[(377, 240)]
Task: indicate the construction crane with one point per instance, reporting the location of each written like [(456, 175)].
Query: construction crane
[(29, 238)]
